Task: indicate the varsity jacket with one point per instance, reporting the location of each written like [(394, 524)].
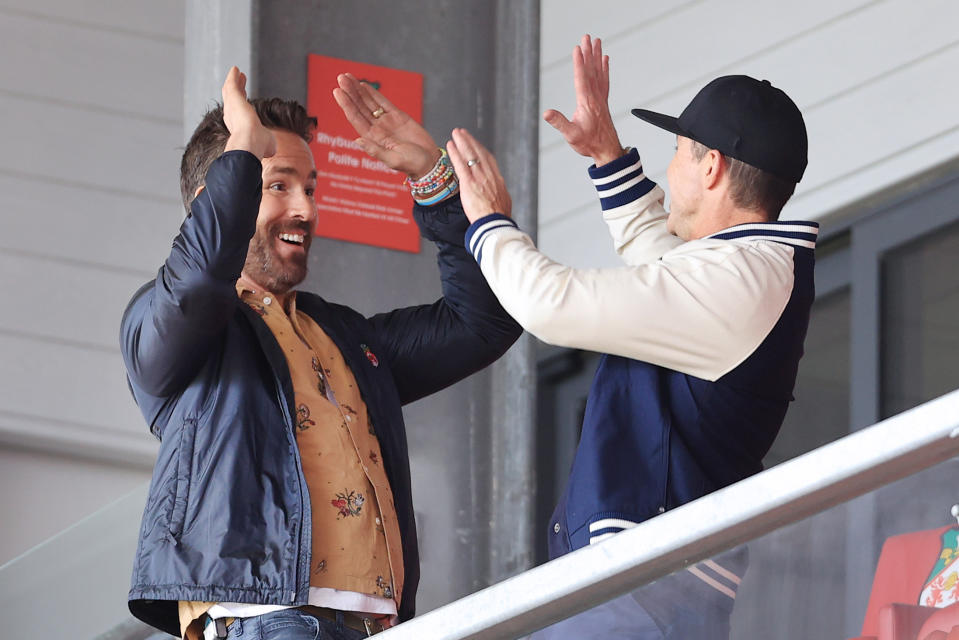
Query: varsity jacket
[(702, 341), (227, 518)]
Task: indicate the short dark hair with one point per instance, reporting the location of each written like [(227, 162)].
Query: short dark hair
[(209, 139), (753, 188)]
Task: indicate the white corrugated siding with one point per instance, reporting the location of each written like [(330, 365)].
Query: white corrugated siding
[(876, 81)]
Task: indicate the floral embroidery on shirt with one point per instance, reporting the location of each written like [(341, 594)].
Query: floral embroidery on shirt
[(320, 567), (384, 586), (259, 309), (375, 458), (303, 421), (320, 381), (349, 408), (349, 503)]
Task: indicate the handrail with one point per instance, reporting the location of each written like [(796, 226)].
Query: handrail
[(832, 474)]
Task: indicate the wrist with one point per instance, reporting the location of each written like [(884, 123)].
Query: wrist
[(608, 154), (246, 141), (427, 166)]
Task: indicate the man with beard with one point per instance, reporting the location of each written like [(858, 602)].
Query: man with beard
[(280, 504)]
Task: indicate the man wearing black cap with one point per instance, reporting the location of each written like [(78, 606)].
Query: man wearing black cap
[(702, 329)]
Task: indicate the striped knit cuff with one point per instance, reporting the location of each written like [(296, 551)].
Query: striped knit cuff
[(621, 181), (480, 231)]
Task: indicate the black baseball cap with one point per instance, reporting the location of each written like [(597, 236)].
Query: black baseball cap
[(746, 119)]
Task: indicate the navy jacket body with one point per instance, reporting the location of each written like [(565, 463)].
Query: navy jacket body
[(228, 513)]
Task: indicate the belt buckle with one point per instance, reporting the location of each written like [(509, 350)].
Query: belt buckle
[(371, 630), (215, 628)]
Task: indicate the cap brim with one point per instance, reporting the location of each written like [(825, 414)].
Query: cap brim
[(669, 123)]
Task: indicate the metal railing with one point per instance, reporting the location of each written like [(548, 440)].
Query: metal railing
[(832, 474), (77, 570)]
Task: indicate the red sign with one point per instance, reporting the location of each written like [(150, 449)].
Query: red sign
[(359, 198)]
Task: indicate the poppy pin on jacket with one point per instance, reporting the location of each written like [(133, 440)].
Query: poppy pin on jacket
[(370, 355)]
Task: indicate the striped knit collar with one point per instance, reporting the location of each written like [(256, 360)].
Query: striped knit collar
[(793, 232)]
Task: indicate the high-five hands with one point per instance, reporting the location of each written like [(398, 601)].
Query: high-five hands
[(386, 132), (482, 188), (246, 130), (591, 132)]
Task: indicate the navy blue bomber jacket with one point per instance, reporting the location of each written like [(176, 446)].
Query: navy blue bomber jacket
[(227, 518)]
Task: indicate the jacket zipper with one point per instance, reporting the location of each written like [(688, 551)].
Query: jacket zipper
[(299, 470)]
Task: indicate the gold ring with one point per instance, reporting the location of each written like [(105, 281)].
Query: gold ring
[(472, 162), (380, 111)]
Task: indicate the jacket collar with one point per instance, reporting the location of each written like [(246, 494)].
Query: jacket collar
[(793, 232)]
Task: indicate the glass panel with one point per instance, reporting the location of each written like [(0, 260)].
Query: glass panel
[(920, 304), (813, 579), (820, 413)]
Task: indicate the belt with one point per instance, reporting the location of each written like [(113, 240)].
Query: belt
[(369, 625)]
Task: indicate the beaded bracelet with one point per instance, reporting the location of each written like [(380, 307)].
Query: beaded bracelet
[(450, 189), (438, 173), (423, 186)]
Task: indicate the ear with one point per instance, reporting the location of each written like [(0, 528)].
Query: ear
[(712, 166)]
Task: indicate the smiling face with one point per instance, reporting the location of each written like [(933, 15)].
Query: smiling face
[(276, 259)]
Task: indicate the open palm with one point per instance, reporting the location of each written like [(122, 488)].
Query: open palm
[(390, 135)]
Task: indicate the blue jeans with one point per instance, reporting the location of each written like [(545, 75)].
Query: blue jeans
[(291, 624), (676, 607)]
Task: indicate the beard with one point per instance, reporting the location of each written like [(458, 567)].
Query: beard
[(265, 265)]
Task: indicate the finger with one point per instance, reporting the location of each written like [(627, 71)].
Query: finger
[(484, 164), (360, 119), (467, 145), (371, 148), (359, 94), (598, 54), (351, 87), (459, 164), (368, 100), (605, 77), (378, 98), (580, 81), (230, 84), (558, 121)]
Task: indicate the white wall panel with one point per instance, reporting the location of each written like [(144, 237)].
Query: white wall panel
[(162, 19), (563, 23), (115, 153), (872, 78), (678, 54), (91, 119), (60, 491), (897, 126), (80, 66), (67, 302), (71, 387), (42, 216)]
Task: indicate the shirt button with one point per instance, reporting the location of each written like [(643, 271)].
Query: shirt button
[(662, 509), (556, 528), (267, 300), (377, 521), (349, 418)]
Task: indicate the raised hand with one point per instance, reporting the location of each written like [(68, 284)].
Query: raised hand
[(591, 132), (246, 130), (482, 188), (386, 132)]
